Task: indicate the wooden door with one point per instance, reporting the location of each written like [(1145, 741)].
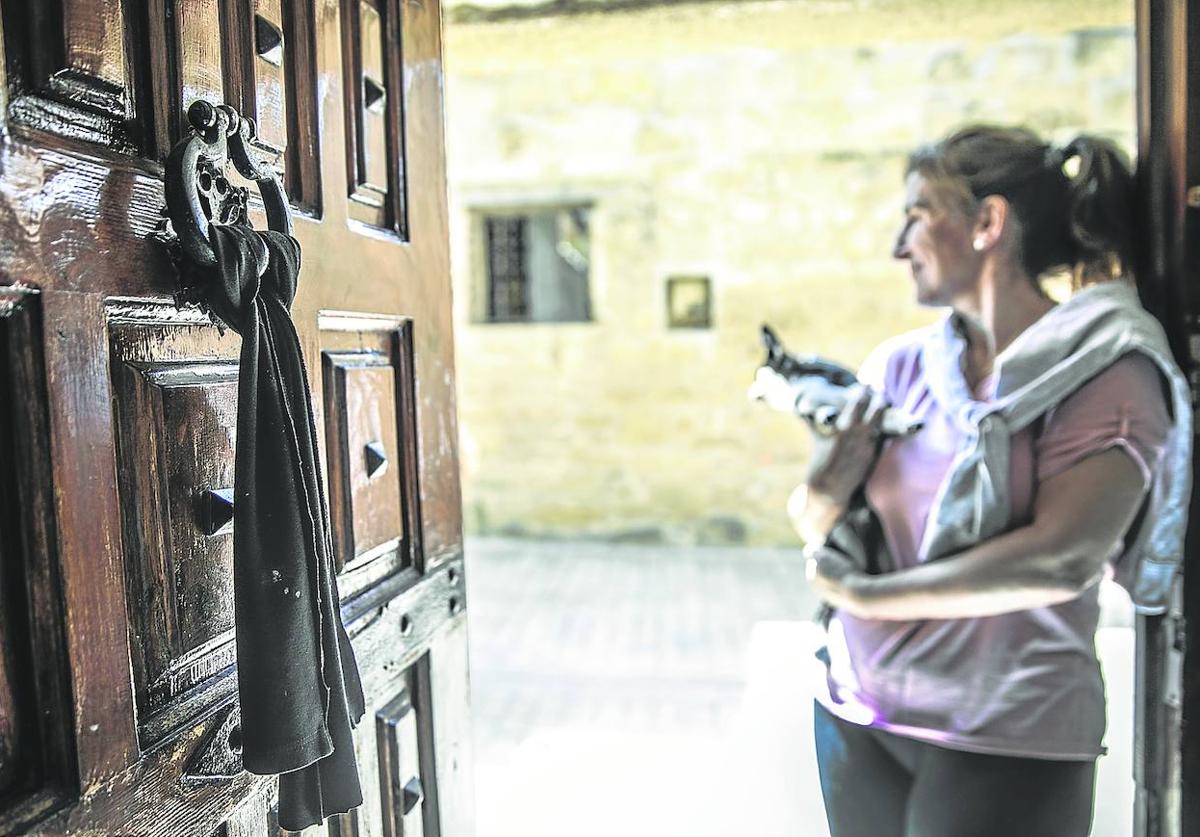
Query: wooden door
[(117, 410)]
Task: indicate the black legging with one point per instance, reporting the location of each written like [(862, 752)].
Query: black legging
[(877, 784)]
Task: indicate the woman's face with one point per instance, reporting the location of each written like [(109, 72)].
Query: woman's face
[(936, 240)]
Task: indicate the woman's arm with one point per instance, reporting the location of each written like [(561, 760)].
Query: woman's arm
[(1079, 517), (813, 513)]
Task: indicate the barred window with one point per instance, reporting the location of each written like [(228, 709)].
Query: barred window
[(537, 265)]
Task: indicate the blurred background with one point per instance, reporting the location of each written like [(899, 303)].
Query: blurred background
[(635, 186)]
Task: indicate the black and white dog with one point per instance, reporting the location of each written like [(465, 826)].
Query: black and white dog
[(820, 387)]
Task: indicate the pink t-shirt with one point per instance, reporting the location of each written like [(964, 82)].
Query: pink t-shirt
[(1025, 683)]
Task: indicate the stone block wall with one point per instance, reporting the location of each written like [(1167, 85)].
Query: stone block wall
[(761, 144)]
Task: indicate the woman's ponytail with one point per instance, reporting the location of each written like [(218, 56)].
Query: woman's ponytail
[(1074, 203), (1100, 200)]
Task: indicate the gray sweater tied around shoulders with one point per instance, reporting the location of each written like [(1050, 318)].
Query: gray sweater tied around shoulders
[(1067, 347)]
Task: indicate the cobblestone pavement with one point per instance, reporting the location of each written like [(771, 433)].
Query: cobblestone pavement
[(624, 690)]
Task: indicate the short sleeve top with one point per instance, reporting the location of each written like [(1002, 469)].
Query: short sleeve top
[(1025, 683)]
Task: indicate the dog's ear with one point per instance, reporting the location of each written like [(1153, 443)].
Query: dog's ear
[(773, 345)]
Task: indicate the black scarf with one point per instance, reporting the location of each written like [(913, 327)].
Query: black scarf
[(298, 681)]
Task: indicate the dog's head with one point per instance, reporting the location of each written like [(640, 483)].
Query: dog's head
[(794, 367), (824, 383)]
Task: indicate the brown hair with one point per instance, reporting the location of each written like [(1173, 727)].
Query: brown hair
[(1081, 221)]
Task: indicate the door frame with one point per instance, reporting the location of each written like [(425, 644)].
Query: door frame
[(1167, 697)]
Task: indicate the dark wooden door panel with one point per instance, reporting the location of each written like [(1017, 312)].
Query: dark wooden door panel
[(36, 754), (175, 406), (407, 632), (371, 445), (268, 53), (363, 403), (18, 703), (371, 44), (93, 64), (188, 62), (72, 69), (117, 592), (89, 536), (269, 109)]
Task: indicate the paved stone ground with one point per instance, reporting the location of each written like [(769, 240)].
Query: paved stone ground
[(659, 692)]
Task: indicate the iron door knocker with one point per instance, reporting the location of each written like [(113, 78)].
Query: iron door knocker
[(198, 192)]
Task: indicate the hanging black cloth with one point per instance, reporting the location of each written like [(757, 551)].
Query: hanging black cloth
[(298, 681)]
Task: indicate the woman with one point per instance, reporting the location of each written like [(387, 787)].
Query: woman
[(963, 696)]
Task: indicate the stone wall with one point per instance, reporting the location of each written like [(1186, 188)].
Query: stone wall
[(758, 143)]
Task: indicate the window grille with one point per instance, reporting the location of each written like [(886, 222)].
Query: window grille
[(506, 269)]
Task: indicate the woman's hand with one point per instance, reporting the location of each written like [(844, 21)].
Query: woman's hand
[(841, 460), (836, 579)]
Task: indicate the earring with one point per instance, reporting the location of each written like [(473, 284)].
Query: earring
[(978, 244)]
